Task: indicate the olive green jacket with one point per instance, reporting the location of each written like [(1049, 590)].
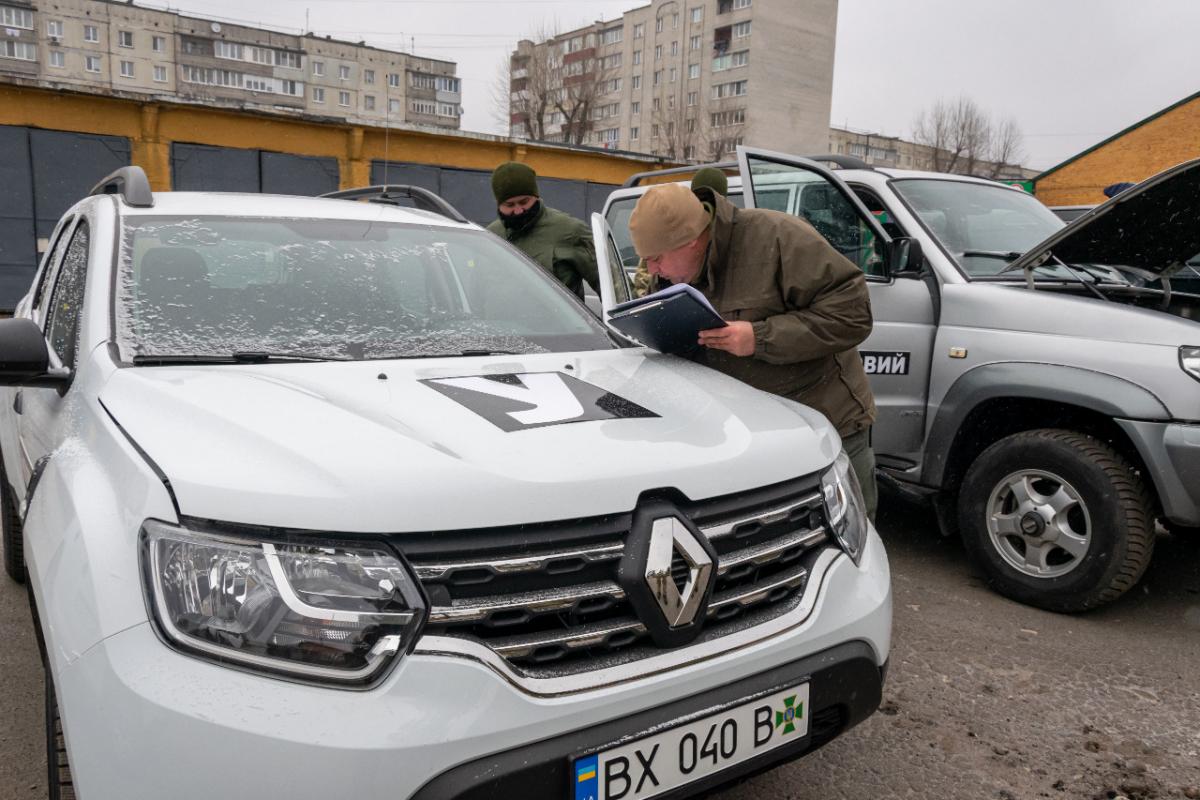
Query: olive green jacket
[(560, 243), (807, 303)]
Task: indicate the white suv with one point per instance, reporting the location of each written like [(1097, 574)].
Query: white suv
[(324, 498)]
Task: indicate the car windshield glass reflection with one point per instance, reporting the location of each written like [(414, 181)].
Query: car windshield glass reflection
[(221, 288), (983, 227)]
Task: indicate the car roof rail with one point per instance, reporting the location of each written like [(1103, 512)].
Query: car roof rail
[(131, 184), (391, 194), (842, 162)]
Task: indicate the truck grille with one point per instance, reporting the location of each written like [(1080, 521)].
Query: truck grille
[(546, 597)]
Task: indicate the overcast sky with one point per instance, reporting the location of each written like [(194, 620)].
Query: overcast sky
[(1071, 72)]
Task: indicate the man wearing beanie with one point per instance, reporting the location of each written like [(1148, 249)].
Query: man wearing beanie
[(797, 308), (557, 241)]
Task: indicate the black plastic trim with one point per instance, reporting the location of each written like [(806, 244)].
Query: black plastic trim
[(421, 197), (157, 470), (845, 683), (130, 183)]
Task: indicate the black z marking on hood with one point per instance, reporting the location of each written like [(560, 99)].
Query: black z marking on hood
[(524, 400), (895, 363)]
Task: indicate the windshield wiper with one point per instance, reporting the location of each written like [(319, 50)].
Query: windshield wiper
[(1003, 255), (237, 357)]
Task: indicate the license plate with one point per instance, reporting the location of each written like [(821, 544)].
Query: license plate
[(689, 752)]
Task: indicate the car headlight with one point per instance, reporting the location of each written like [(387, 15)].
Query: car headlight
[(844, 507), (323, 611), (1189, 359)]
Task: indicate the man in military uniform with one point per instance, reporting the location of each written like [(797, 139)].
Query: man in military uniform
[(708, 177), (797, 308), (554, 239)]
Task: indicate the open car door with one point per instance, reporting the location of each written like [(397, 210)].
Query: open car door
[(897, 355), (615, 287)]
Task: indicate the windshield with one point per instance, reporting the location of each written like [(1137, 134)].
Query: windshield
[(336, 289), (982, 227)]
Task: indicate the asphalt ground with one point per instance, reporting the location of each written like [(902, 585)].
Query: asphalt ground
[(985, 698)]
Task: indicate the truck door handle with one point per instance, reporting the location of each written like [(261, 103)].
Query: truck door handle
[(17, 404)]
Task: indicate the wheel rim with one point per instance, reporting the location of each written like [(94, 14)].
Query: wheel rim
[(1038, 523)]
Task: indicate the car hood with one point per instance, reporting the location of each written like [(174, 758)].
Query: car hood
[(1150, 227), (397, 446)]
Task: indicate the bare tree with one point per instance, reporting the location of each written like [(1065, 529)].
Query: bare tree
[(962, 138), (585, 81), (526, 86), (680, 129)]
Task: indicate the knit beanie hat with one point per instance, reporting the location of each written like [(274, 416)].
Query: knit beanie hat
[(512, 179), (712, 178), (665, 218)]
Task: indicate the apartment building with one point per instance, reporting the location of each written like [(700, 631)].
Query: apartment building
[(892, 151), (120, 48), (683, 79)]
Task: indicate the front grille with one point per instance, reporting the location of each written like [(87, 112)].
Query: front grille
[(547, 597)]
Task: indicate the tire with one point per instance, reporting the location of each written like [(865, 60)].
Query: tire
[(1056, 519), (58, 768), (10, 526)]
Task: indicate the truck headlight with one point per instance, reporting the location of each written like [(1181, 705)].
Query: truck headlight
[(844, 507), (1189, 359), (323, 611)]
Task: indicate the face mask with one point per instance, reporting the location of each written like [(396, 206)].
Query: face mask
[(518, 222)]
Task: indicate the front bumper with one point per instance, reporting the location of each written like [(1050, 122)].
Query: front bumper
[(143, 721), (1171, 452)]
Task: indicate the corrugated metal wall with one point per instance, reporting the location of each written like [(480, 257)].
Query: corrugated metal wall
[(204, 168)]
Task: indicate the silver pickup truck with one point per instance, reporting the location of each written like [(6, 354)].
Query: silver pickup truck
[(1038, 383)]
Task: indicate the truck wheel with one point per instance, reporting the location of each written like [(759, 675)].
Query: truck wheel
[(10, 529), (61, 785), (1056, 519)]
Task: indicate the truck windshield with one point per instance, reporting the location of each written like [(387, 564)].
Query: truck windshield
[(982, 227), (220, 288)]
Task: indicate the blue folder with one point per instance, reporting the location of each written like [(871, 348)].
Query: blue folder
[(669, 321)]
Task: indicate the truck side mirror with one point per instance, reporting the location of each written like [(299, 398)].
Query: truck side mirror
[(907, 258), (25, 357)]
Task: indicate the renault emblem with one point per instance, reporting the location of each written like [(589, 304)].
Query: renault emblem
[(669, 537)]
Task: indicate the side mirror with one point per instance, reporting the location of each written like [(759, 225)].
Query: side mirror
[(907, 259), (24, 356)]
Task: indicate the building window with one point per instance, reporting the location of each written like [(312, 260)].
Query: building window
[(637, 57), (635, 82), (22, 51), (262, 55), (693, 98), (125, 38), (291, 87), (259, 84), (91, 63), (610, 136), (721, 119), (318, 94), (90, 34), (633, 134), (160, 74), (369, 76), (394, 80), (611, 62), (694, 42), (697, 14), (423, 107), (369, 102), (318, 68), (734, 89), (126, 69), (693, 71), (635, 107), (612, 36), (445, 83), (674, 74), (741, 30), (57, 58), (283, 58), (447, 110), (393, 106), (654, 131), (671, 102), (343, 98), (54, 29), (343, 73), (420, 81), (159, 44), (656, 104), (658, 25), (674, 21), (689, 125), (658, 52), (230, 50), (731, 61), (741, 4), (658, 77), (639, 30), (16, 18), (674, 48)]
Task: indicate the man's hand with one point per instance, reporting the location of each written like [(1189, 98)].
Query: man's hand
[(735, 337)]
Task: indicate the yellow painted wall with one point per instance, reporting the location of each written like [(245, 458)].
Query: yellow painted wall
[(151, 127), (1167, 140)]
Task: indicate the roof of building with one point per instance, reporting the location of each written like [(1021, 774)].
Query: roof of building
[(1119, 134)]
